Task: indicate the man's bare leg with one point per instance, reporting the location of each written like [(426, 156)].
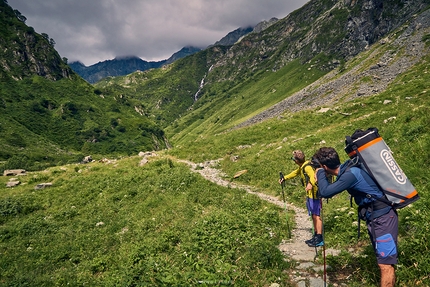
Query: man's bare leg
[(388, 275), (317, 223)]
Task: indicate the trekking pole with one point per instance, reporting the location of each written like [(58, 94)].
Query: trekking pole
[(323, 232), (281, 177)]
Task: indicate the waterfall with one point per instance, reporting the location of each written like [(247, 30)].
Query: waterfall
[(202, 83)]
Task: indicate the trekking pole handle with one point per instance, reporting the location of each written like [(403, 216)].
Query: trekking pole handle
[(281, 177)]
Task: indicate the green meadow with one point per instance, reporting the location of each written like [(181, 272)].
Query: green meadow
[(121, 224), (115, 222)]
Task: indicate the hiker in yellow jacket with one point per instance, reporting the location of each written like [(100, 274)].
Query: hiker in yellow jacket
[(313, 204)]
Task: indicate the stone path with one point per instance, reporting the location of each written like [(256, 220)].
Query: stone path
[(307, 273)]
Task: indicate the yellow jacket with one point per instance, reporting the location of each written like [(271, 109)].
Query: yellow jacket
[(307, 174)]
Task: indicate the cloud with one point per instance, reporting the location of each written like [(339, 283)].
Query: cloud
[(97, 30)]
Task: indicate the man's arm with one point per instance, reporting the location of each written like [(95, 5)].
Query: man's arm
[(292, 174), (328, 190)]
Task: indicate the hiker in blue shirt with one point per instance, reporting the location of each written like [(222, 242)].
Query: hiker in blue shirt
[(381, 218)]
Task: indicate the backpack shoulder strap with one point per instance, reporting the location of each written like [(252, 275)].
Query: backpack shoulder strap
[(307, 178)]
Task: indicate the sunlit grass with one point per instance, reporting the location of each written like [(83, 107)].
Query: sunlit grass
[(264, 150), (118, 223)]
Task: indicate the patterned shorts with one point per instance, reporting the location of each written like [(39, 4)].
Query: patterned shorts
[(385, 230)]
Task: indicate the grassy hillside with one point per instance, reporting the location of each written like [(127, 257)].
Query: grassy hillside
[(240, 102), (166, 93), (160, 225), (123, 225), (265, 149), (45, 123), (50, 116)]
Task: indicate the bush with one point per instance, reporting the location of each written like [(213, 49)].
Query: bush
[(18, 162)]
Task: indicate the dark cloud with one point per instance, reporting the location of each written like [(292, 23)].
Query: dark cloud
[(96, 30)]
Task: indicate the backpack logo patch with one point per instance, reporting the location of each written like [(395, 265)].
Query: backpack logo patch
[(392, 166)]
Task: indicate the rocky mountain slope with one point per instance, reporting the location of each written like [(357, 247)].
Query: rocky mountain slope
[(379, 65), (334, 31), (23, 52), (358, 45), (233, 36), (267, 67), (112, 68)]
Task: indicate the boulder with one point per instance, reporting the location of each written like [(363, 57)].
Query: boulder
[(12, 172), (143, 162), (87, 159), (13, 183), (147, 154), (43, 185)]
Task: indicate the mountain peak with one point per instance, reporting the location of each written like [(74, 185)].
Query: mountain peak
[(185, 51), (265, 24), (233, 36), (121, 58)]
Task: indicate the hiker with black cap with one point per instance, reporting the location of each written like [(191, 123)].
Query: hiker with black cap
[(313, 204), (381, 218)]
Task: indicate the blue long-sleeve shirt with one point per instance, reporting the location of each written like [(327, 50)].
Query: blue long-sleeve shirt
[(356, 182)]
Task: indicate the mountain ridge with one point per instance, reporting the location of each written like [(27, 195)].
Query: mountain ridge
[(289, 52), (124, 65), (234, 83)]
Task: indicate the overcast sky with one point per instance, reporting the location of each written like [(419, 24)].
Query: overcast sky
[(97, 30)]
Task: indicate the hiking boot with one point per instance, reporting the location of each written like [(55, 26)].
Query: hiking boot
[(310, 240), (317, 241)]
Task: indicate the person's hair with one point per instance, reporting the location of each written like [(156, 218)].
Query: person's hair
[(299, 156), (328, 156)]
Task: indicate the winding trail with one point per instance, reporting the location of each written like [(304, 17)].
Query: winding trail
[(308, 273)]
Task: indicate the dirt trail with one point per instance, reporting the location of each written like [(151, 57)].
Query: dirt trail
[(307, 273)]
